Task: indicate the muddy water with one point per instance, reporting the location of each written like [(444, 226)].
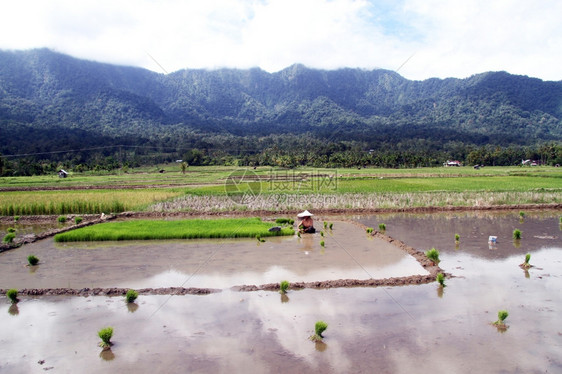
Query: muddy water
[(348, 253), (386, 330)]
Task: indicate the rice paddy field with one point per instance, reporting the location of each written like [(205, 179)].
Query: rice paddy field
[(214, 188)]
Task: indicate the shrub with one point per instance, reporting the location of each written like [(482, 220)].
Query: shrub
[(457, 237), (32, 260), (369, 230), (502, 315), (283, 286), (433, 255), (516, 234), (441, 279), (12, 294), (131, 296), (61, 219), (77, 220), (105, 335), (382, 227), (322, 243), (11, 230), (9, 238)]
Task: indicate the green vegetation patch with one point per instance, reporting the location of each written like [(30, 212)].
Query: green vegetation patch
[(177, 229)]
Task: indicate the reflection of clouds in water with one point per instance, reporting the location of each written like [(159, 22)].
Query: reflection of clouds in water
[(274, 274), (292, 323)]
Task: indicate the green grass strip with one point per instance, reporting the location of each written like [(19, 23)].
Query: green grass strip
[(177, 229)]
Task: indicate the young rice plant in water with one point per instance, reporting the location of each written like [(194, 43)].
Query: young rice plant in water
[(382, 227), (61, 219), (77, 220), (131, 296), (9, 238), (433, 255), (516, 234), (502, 315), (32, 260), (369, 230), (105, 335), (457, 237), (441, 279), (322, 243), (283, 286), (319, 328), (12, 294), (11, 230)]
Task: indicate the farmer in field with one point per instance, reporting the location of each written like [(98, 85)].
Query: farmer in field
[(306, 224)]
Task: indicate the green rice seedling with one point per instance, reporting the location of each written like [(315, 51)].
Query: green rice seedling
[(174, 229), (12, 294), (561, 220), (283, 286), (382, 227), (322, 233), (32, 260), (259, 239), (326, 223), (77, 220), (526, 265), (433, 255), (457, 237), (502, 315), (61, 219), (299, 234), (441, 279), (331, 225), (11, 230), (522, 214), (105, 335), (17, 218), (322, 243), (131, 296), (369, 230), (285, 221), (9, 238), (319, 328), (516, 234)]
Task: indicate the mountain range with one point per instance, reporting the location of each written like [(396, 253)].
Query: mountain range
[(52, 102)]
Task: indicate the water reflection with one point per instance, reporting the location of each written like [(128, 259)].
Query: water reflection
[(132, 307), (284, 298), (320, 346), (107, 355), (13, 310)]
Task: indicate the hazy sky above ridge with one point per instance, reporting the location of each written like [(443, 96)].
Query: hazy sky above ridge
[(418, 38)]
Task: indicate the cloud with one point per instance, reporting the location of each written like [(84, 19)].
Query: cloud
[(445, 38)]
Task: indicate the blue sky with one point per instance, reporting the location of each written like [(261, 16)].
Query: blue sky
[(437, 38)]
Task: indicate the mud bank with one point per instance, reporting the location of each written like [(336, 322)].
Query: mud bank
[(112, 291)]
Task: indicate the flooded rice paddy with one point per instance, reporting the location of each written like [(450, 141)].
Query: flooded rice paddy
[(406, 329)]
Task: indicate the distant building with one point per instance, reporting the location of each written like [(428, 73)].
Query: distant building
[(531, 162), (63, 173), (452, 163)]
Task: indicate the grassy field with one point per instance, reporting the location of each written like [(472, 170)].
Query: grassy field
[(81, 201), (211, 188), (179, 229)]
